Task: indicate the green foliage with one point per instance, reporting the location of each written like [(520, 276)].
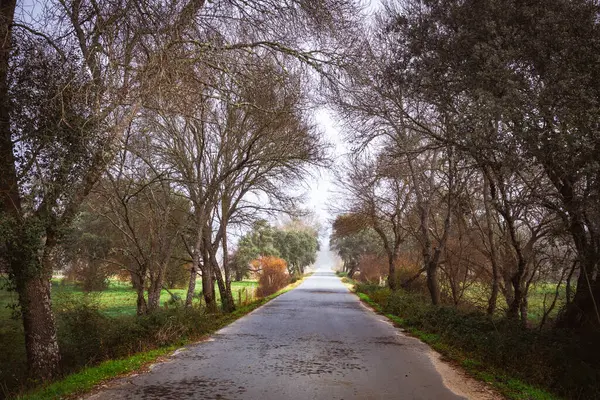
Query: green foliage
[(296, 244), (350, 240), (557, 360), (298, 248)]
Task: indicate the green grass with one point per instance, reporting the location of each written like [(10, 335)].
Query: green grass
[(120, 298), (88, 378), (477, 295)]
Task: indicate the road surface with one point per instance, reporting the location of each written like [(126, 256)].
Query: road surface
[(315, 342)]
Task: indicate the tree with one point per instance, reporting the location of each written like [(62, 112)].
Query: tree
[(380, 198), (73, 77), (351, 240)]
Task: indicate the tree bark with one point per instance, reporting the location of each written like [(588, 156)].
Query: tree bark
[(154, 291), (191, 285), (493, 300), (41, 344), (433, 282), (392, 278), (32, 278)]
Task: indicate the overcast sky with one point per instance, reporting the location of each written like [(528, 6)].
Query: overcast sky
[(321, 187)]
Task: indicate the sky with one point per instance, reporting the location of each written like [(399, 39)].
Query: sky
[(321, 186)]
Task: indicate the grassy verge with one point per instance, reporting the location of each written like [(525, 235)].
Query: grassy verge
[(88, 378), (521, 364)]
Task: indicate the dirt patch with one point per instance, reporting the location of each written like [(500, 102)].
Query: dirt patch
[(460, 383)]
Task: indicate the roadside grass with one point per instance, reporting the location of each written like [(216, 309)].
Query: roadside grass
[(89, 313), (522, 364), (88, 378)]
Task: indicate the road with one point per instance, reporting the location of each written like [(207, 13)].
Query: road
[(315, 342)]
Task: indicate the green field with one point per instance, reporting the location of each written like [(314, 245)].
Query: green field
[(539, 300), (118, 299)]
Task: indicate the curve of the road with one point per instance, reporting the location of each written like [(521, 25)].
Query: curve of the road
[(315, 342)]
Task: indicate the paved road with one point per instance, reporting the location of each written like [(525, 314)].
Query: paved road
[(314, 342)]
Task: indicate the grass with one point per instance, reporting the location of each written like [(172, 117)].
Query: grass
[(120, 298), (521, 363), (85, 380), (539, 300)]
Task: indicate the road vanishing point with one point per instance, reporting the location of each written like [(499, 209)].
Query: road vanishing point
[(317, 341)]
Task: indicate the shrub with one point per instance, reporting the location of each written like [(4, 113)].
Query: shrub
[(87, 336), (272, 277), (372, 268), (177, 276)]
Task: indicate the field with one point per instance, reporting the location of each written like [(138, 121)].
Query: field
[(117, 301), (539, 300)]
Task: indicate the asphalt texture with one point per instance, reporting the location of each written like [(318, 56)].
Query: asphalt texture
[(315, 342)]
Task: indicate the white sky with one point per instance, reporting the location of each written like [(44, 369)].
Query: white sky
[(321, 186)]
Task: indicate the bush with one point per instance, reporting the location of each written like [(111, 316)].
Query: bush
[(87, 336), (91, 277), (272, 277), (177, 276)]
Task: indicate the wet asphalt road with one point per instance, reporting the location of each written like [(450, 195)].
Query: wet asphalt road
[(314, 342)]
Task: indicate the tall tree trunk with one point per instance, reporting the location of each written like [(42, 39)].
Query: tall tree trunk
[(227, 302), (208, 287), (493, 300), (41, 343), (392, 277), (32, 279), (189, 298), (583, 310), (33, 286), (154, 290), (352, 270), (519, 294), (227, 296)]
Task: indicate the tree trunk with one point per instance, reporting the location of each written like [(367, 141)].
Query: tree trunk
[(154, 291), (392, 278), (523, 309), (189, 298), (352, 270), (32, 279), (493, 300), (41, 344), (142, 307), (227, 296), (582, 311), (433, 282), (518, 300), (208, 288), (191, 286)]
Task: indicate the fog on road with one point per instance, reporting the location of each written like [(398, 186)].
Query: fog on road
[(315, 342)]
